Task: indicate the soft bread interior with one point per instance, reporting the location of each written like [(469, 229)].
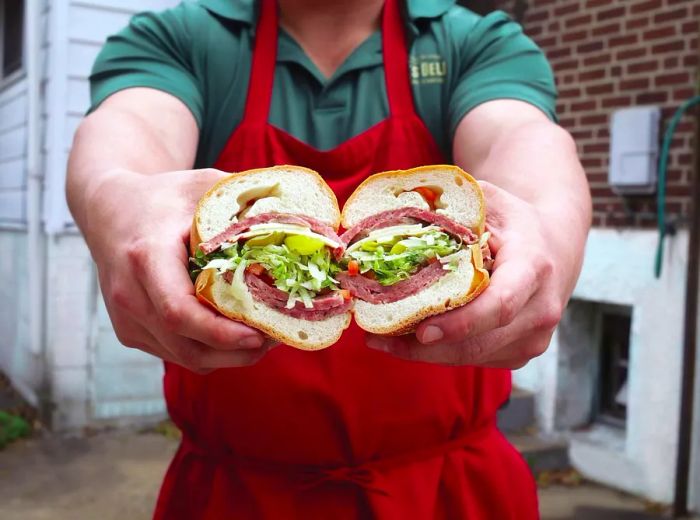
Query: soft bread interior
[(280, 189), (459, 195), (303, 334), (452, 290)]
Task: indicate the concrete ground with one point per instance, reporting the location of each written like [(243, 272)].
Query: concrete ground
[(116, 475)]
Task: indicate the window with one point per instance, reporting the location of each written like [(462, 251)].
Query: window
[(11, 36), (614, 364)]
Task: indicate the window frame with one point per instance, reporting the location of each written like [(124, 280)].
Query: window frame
[(605, 411), (20, 73)]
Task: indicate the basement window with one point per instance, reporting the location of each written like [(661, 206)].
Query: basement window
[(615, 329), (11, 37)]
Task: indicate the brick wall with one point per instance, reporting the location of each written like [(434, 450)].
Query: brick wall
[(608, 55)]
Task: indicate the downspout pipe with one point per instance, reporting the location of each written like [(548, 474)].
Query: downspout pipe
[(35, 238), (690, 335)]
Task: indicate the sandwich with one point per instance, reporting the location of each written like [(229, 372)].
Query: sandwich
[(415, 246), (265, 251)]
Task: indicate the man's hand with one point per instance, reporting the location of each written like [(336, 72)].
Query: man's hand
[(538, 212), (138, 231), (137, 227), (513, 320)]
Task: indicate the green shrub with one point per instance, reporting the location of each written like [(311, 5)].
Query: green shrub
[(12, 428)]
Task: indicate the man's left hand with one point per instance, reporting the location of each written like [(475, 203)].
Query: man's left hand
[(513, 320)]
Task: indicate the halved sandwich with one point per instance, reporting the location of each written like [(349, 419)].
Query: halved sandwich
[(265, 248), (414, 247)]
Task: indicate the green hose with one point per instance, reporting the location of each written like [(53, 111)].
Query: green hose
[(661, 190)]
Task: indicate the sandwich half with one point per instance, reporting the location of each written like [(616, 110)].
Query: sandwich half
[(414, 247), (264, 250)]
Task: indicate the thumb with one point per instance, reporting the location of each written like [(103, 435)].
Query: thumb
[(501, 205), (205, 178), (501, 208)]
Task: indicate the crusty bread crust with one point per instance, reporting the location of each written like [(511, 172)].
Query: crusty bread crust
[(318, 182), (404, 177), (408, 324), (299, 333)]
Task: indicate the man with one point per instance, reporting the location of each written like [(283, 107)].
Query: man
[(397, 428)]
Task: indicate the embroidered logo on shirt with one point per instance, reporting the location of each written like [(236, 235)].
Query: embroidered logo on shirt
[(427, 69)]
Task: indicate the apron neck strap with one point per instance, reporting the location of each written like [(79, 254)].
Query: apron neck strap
[(396, 72), (262, 73)]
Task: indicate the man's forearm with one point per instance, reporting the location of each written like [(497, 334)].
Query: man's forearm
[(138, 130), (537, 162)]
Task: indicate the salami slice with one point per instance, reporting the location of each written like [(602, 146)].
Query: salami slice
[(324, 306), (372, 291), (282, 218), (398, 216)]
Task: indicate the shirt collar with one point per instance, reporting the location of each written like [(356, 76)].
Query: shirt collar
[(244, 10)]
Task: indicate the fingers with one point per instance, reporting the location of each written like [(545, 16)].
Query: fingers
[(170, 290), (480, 351), (183, 351), (510, 289), (202, 359), (517, 354), (505, 347), (409, 348), (147, 290)]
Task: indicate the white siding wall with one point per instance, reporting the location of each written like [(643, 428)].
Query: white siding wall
[(618, 269), (85, 24), (13, 139), (16, 360), (94, 377)]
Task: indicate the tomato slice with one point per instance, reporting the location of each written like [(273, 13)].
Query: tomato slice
[(353, 268), (256, 269), (345, 294), (432, 260), (428, 195)]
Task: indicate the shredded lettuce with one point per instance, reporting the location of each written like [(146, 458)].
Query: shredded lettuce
[(394, 254), (303, 276), (303, 266)]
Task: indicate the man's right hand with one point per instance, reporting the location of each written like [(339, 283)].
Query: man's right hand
[(138, 232), (137, 228)]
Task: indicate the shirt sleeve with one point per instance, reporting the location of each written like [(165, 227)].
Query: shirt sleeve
[(497, 61), (154, 50)]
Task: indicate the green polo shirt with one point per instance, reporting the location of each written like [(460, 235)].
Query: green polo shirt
[(200, 52)]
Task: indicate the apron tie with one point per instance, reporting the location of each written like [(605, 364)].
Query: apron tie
[(360, 476), (364, 475)]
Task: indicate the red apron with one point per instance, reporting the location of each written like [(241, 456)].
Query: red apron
[(347, 432)]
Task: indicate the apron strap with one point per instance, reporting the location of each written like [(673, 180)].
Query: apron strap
[(396, 60), (262, 72)]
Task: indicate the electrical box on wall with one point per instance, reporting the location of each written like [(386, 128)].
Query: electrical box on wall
[(634, 150)]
